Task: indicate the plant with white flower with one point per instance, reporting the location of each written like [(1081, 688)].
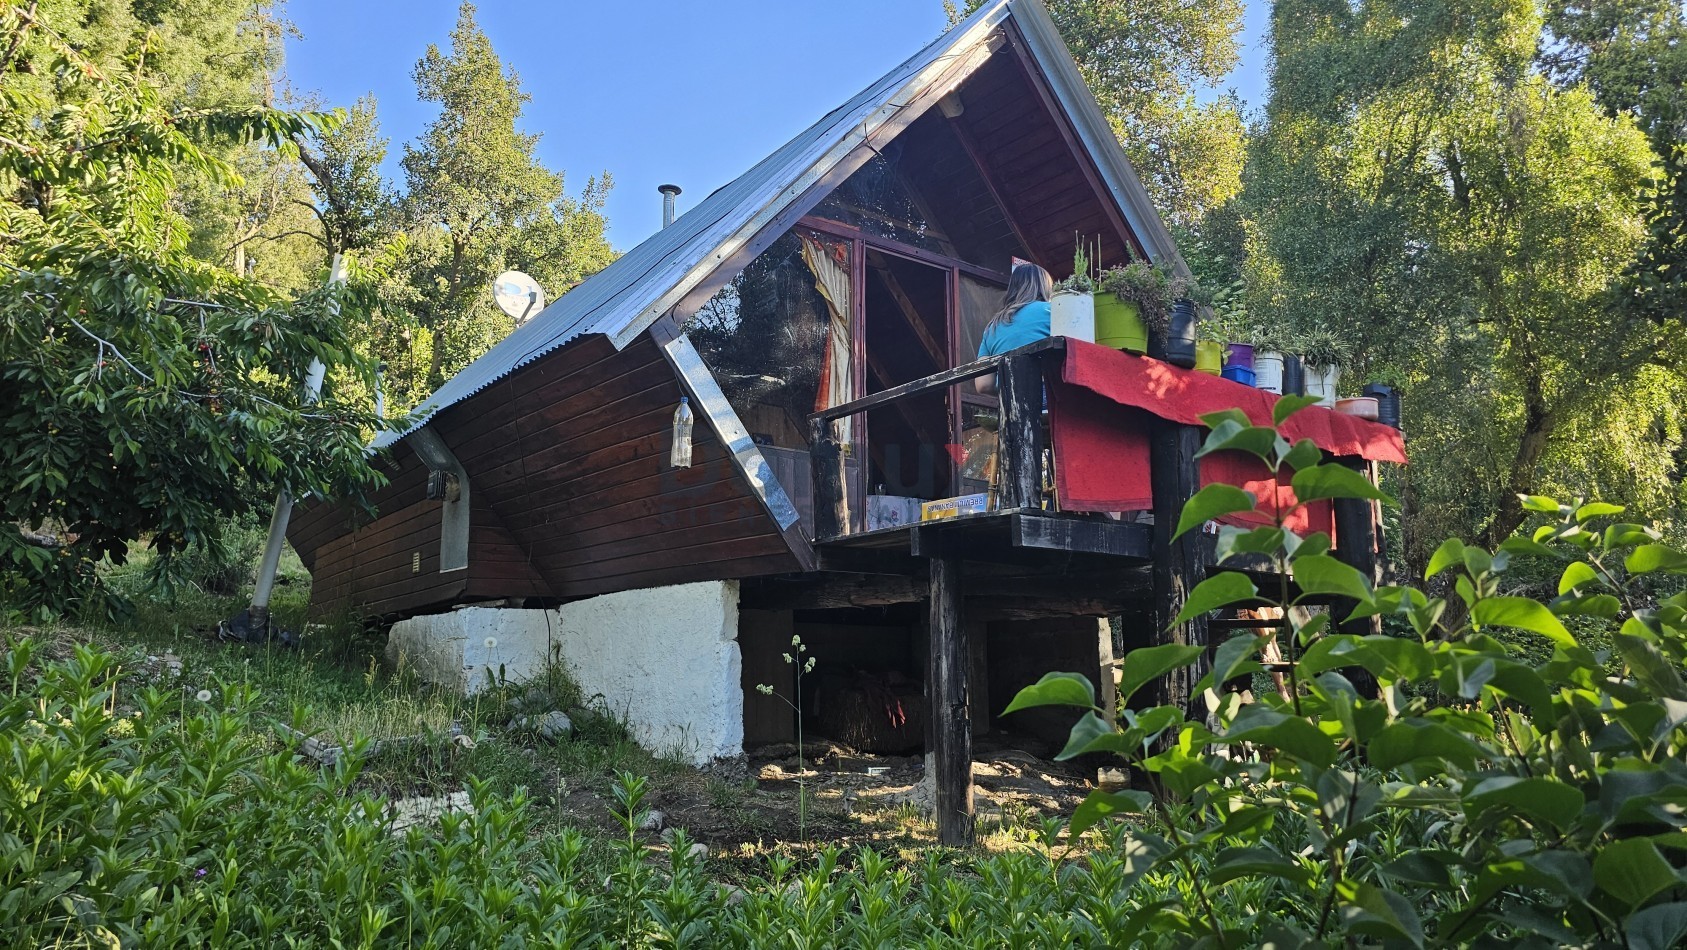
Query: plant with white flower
[(491, 642), (203, 695), (766, 689)]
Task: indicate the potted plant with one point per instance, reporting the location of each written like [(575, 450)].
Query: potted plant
[(1210, 338), (1268, 361), (1324, 354), (1072, 311), (1133, 298)]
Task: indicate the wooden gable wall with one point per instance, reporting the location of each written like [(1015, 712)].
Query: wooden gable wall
[(571, 496)]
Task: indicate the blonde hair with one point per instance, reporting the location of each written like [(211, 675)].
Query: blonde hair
[(1028, 283)]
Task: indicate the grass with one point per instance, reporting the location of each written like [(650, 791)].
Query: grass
[(338, 688)]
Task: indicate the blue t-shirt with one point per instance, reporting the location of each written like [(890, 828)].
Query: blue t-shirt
[(1030, 323)]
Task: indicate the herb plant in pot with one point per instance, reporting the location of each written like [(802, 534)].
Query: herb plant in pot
[(1210, 338), (1324, 355), (1072, 309), (1132, 299)]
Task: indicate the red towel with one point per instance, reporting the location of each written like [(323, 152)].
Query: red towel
[(1099, 414)]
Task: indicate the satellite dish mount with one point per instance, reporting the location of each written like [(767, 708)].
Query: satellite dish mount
[(518, 295)]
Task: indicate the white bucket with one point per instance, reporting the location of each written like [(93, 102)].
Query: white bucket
[(1072, 314), (1321, 381), (1268, 372)]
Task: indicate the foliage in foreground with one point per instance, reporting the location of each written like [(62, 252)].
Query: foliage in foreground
[(1489, 796), (145, 393), (176, 823)]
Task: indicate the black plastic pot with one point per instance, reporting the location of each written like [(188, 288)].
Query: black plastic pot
[(1294, 376), (1177, 347), (1388, 402)]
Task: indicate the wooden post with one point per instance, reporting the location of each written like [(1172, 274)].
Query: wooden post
[(1174, 475), (831, 512), (946, 691), (1358, 546), (1019, 435)]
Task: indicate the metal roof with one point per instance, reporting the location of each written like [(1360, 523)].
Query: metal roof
[(623, 299)]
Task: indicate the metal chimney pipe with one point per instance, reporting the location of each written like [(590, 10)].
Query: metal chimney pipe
[(669, 193)]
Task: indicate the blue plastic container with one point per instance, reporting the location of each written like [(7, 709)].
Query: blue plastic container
[(1240, 374)]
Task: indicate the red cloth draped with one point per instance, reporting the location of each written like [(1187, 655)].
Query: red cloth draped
[(1099, 415)]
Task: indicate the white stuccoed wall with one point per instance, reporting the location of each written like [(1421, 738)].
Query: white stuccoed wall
[(665, 658), (459, 649)]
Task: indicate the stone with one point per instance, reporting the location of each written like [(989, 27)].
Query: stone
[(698, 852), (651, 820), (555, 725), (415, 811)]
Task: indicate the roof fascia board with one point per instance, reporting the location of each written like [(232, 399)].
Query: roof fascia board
[(1048, 50), (868, 132)]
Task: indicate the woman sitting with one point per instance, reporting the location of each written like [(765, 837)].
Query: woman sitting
[(1023, 319)]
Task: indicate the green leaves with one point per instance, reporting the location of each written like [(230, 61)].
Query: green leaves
[(1145, 664), (1322, 575), (1214, 501), (1054, 689), (1522, 614), (1289, 405), (1219, 590), (1100, 805), (1292, 734), (1335, 481), (1648, 558), (1633, 871), (1540, 799)]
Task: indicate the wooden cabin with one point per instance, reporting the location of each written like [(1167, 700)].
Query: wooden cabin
[(821, 315)]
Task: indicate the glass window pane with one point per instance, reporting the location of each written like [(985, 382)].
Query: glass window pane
[(980, 299)]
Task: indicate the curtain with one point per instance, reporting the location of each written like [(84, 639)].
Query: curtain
[(830, 265)]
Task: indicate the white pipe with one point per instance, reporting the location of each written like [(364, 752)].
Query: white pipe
[(259, 612)]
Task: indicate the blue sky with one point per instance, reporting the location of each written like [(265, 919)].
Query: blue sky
[(650, 90)]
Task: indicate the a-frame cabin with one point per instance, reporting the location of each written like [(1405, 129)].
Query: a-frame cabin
[(822, 315)]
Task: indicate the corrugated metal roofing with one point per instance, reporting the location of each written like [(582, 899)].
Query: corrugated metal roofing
[(623, 298)]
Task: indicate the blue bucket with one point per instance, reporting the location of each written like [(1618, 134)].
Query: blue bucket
[(1240, 374)]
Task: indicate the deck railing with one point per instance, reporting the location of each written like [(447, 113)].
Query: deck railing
[(1019, 389)]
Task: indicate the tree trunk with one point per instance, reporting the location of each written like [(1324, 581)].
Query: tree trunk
[(1538, 425)]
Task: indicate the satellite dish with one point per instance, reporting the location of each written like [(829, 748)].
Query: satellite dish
[(518, 295)]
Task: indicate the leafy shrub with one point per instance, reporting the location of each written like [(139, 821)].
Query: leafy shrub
[(1488, 795), (180, 824)]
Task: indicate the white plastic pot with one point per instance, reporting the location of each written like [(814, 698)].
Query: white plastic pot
[(1321, 381), (1072, 314), (1268, 372)]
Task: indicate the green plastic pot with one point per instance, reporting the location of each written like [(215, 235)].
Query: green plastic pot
[(1118, 324), (1209, 357)]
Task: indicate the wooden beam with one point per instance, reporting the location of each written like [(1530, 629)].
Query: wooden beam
[(938, 353), (968, 145), (951, 719), (973, 370), (1019, 448), (843, 230), (1087, 537), (1357, 546), (1178, 565), (831, 508)]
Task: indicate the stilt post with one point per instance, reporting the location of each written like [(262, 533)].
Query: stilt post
[(1019, 436), (946, 690), (1174, 475), (1358, 545)]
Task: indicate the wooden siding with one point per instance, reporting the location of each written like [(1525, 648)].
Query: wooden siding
[(572, 496)]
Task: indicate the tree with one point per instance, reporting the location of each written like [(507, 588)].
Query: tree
[(1144, 61), (1421, 187), (478, 199), (1632, 54), (143, 393)]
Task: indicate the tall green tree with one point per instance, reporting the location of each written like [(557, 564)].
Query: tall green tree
[(478, 200), (1145, 61), (1424, 189), (143, 392)]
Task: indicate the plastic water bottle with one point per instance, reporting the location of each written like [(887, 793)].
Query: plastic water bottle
[(681, 455)]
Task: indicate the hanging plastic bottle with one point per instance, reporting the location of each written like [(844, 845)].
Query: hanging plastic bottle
[(681, 455)]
